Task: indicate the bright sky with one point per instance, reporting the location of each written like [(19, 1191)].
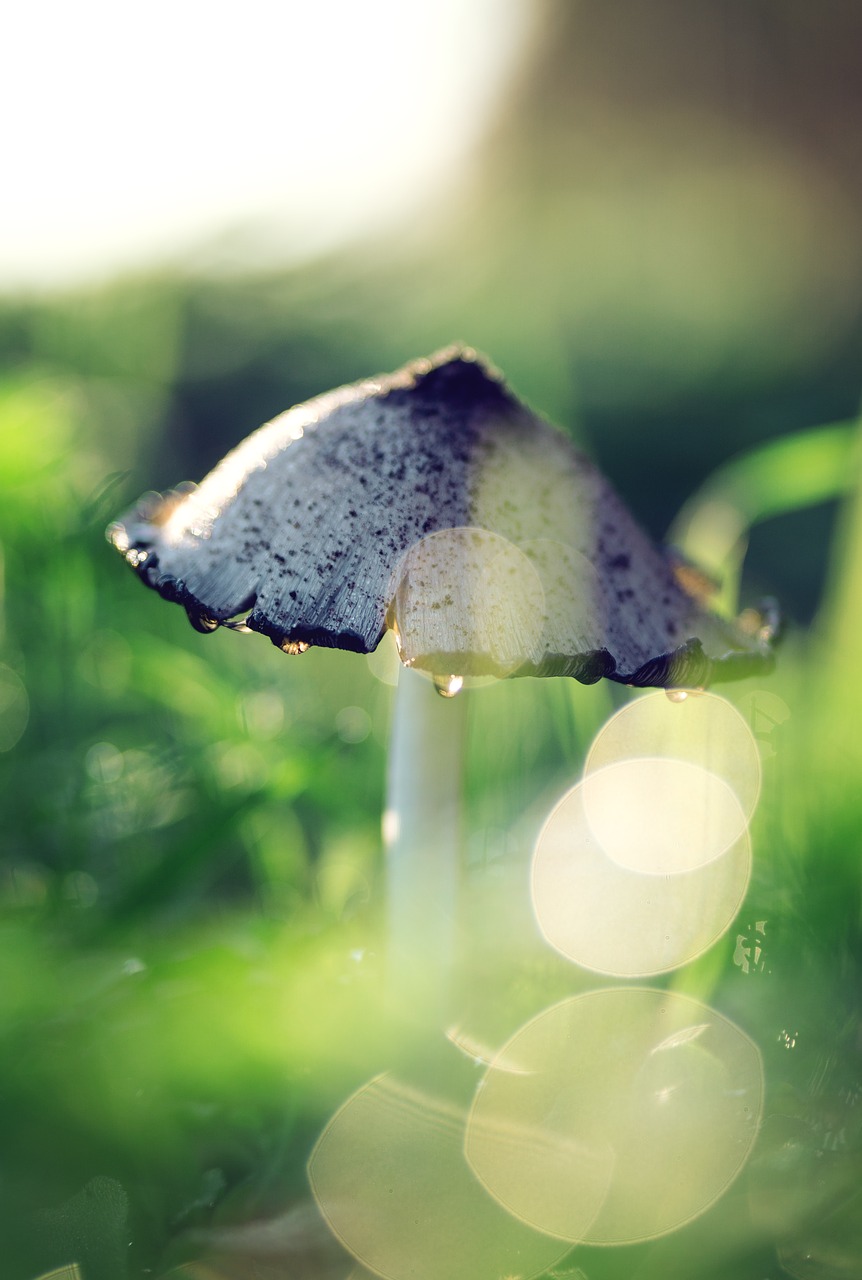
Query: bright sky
[(133, 130)]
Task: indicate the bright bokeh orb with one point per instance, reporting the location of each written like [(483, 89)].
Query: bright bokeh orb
[(657, 1097), (390, 1178), (700, 728), (468, 603), (608, 918), (644, 864), (661, 816)]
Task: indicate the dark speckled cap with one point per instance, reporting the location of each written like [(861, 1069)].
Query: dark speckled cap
[(434, 502)]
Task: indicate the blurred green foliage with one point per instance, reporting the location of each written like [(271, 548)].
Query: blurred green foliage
[(191, 883), (192, 945)]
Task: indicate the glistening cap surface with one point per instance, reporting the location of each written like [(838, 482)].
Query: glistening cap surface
[(316, 525)]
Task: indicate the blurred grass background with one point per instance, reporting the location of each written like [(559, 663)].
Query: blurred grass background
[(659, 240)]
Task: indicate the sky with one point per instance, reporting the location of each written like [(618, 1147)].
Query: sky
[(135, 133)]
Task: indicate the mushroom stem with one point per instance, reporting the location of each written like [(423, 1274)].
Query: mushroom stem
[(423, 836)]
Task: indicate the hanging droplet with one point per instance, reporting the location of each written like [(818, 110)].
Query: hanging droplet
[(676, 695), (448, 686), (203, 621), (239, 623), (293, 647), (117, 536)]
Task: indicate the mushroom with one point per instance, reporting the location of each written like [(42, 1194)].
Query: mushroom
[(314, 526), (433, 502)]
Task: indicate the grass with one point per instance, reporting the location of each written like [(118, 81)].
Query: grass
[(191, 892)]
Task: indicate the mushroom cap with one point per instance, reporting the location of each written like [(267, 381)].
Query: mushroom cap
[(435, 502)]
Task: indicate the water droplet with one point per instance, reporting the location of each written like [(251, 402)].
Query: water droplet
[(239, 623), (293, 647), (117, 536), (676, 695), (448, 686), (203, 622), (135, 557)]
